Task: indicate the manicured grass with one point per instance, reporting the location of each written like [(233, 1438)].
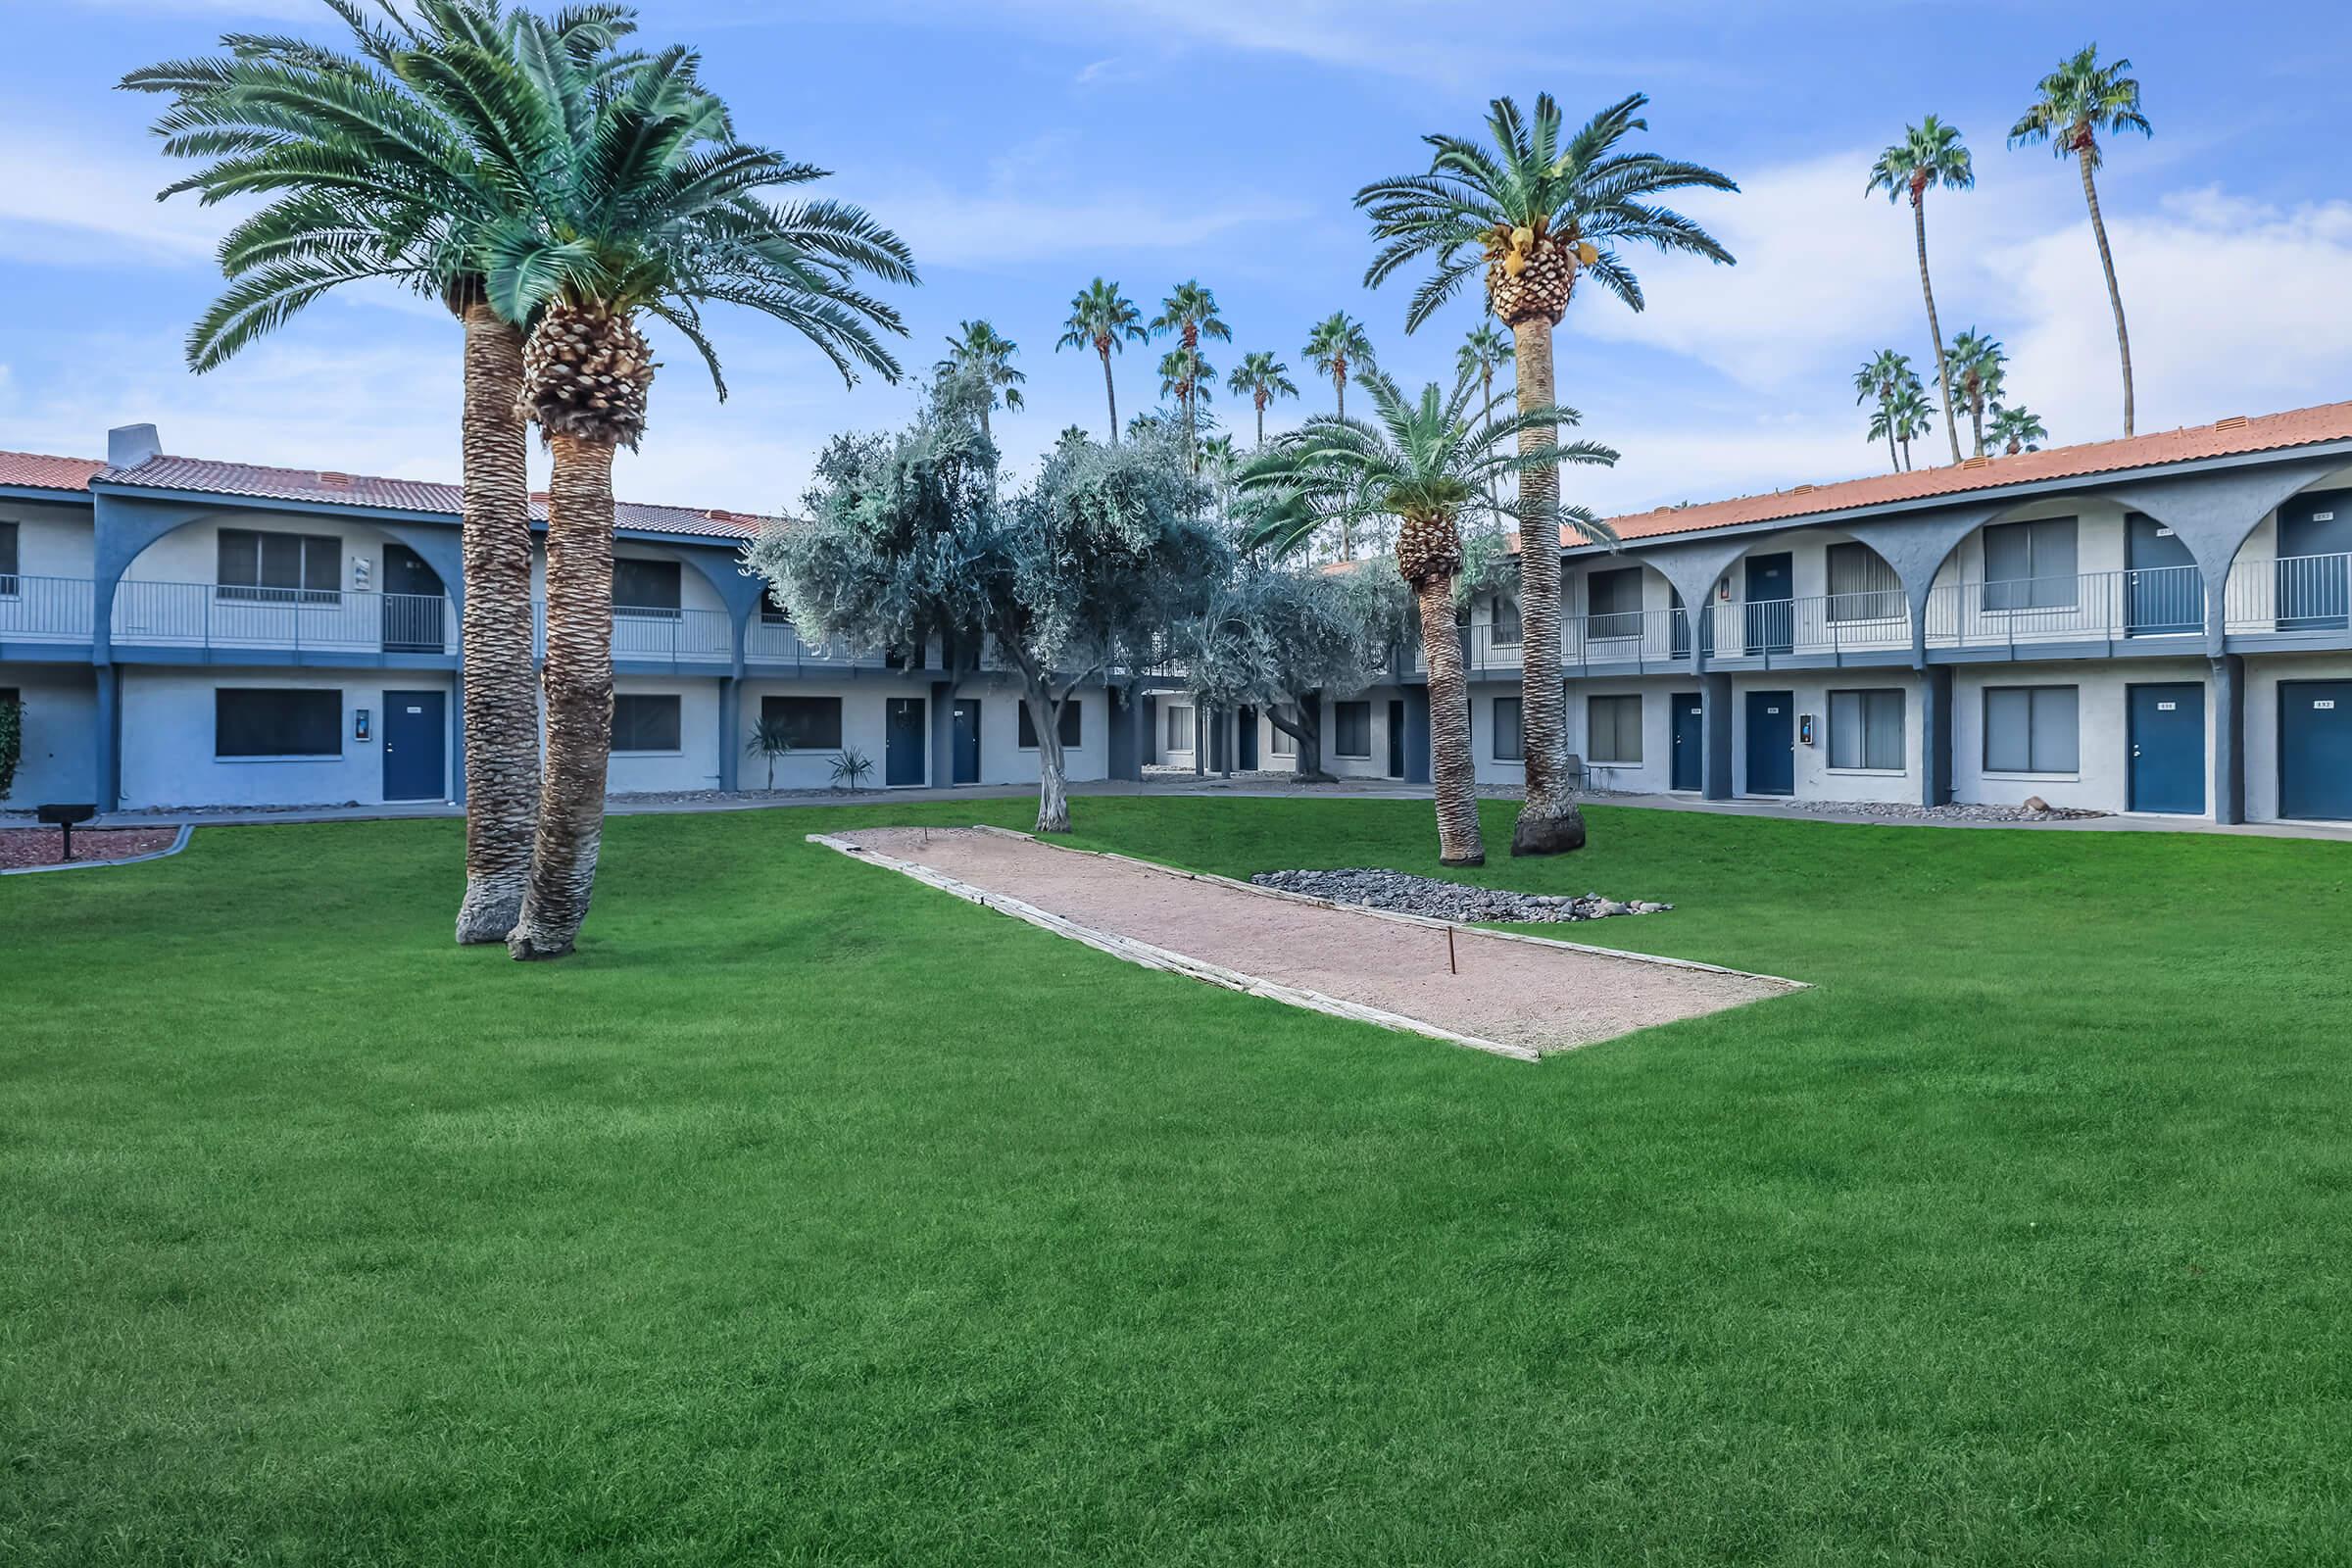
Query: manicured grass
[(809, 1216)]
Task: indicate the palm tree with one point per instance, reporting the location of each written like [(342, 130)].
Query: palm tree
[(1191, 312), (1221, 464), (1189, 379), (1103, 317), (1421, 462), (1881, 375), (1978, 365), (648, 207), (2018, 430), (372, 176), (1337, 343), (2079, 99), (983, 360), (1913, 415), (1484, 349), (1929, 154), (771, 738), (1263, 378), (1533, 212)]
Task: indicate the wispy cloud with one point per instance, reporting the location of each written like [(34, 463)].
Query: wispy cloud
[(77, 203)]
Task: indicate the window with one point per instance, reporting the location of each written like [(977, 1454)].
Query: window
[(8, 560), (1613, 599), (2029, 565), (810, 723), (646, 588), (1280, 741), (259, 722), (1507, 623), (1180, 729), (643, 723), (1862, 586), (1613, 729), (1066, 723), (1507, 745), (2029, 730), (279, 567), (771, 608), (1866, 729), (1352, 729)]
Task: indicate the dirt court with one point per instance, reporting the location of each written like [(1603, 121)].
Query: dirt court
[(1524, 995), (40, 846)]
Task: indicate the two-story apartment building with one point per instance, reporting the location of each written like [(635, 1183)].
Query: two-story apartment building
[(2161, 624), (186, 632)]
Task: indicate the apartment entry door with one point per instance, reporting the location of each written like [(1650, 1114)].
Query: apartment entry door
[(2315, 749), (2167, 748), (1771, 742), (1690, 740), (415, 733), (967, 740), (1396, 737), (903, 742), (1771, 627)]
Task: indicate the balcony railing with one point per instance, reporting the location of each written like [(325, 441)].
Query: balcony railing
[(778, 642), (44, 610), (2293, 593), (203, 614), (2090, 606), (1820, 625)]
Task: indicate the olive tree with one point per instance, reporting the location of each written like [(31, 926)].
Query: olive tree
[(1078, 574)]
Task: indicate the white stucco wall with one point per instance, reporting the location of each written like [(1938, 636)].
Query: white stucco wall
[(694, 766), (168, 739), (2264, 674), (52, 540), (2102, 781), (61, 716)]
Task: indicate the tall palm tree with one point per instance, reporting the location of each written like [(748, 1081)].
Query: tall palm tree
[(1337, 344), (1912, 415), (1103, 317), (1484, 349), (1929, 154), (2079, 99), (648, 207), (1188, 378), (1881, 375), (372, 177), (1190, 312), (2018, 430), (1263, 378), (1979, 365), (1421, 462), (1533, 212), (983, 360)]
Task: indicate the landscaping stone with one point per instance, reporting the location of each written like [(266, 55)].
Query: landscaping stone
[(1897, 810), (1439, 900)]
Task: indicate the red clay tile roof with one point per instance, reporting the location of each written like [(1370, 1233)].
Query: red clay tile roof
[(204, 476), (35, 471), (2269, 432)]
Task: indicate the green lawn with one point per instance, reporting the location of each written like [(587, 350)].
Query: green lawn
[(809, 1215)]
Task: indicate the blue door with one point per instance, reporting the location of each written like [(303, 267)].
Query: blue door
[(903, 742), (2314, 561), (2167, 748), (1689, 737), (1249, 724), (967, 740), (1771, 742), (415, 733), (1771, 623), (2163, 596), (2315, 749)]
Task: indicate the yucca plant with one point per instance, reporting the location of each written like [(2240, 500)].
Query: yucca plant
[(1423, 461), (1533, 210), (770, 738), (1929, 154)]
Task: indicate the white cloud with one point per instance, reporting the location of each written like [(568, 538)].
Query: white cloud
[(73, 203)]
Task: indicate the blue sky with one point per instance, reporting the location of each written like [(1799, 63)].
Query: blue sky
[(1025, 146)]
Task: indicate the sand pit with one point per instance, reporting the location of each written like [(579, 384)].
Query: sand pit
[(1515, 996)]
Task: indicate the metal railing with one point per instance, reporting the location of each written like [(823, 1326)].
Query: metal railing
[(2291, 594), (203, 614), (1635, 638), (44, 610), (1812, 628), (779, 642), (2089, 606)]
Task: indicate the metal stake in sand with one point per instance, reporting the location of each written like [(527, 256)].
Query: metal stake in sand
[(1451, 966)]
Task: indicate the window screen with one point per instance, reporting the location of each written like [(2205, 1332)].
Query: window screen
[(1180, 729), (8, 557), (1866, 729), (810, 723), (1862, 586), (645, 723), (645, 587), (283, 568), (1508, 747), (1352, 729), (1067, 723), (2029, 565), (1279, 741), (2030, 729), (261, 722), (1613, 729), (1613, 599), (1507, 623)]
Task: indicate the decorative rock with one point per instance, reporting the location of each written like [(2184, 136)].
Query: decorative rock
[(1401, 891)]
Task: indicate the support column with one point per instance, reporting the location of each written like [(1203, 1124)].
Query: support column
[(2230, 738), (943, 734), (1418, 744), (1201, 716), (1935, 735), (1715, 696), (106, 777), (730, 733), (457, 737)]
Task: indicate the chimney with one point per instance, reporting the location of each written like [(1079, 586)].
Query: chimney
[(129, 444)]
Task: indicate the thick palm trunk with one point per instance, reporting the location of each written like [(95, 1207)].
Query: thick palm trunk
[(1451, 771), (1944, 366), (1548, 822), (501, 699), (1109, 392), (577, 678), (2115, 295), (1052, 783)]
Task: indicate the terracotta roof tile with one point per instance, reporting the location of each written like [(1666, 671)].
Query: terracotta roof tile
[(35, 471)]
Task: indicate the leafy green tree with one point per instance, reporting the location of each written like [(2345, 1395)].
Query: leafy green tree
[(982, 361), (2018, 430), (1533, 211), (369, 175), (1336, 347), (1881, 377), (1929, 154), (1101, 316), (1189, 313), (1424, 463), (1979, 366), (2075, 103), (1261, 377)]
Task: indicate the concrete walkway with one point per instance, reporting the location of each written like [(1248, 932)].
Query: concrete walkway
[(1212, 787)]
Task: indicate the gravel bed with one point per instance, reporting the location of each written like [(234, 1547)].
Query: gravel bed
[(1439, 899), (1897, 812), (39, 846)]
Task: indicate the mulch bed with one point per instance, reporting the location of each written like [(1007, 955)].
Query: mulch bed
[(39, 846)]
